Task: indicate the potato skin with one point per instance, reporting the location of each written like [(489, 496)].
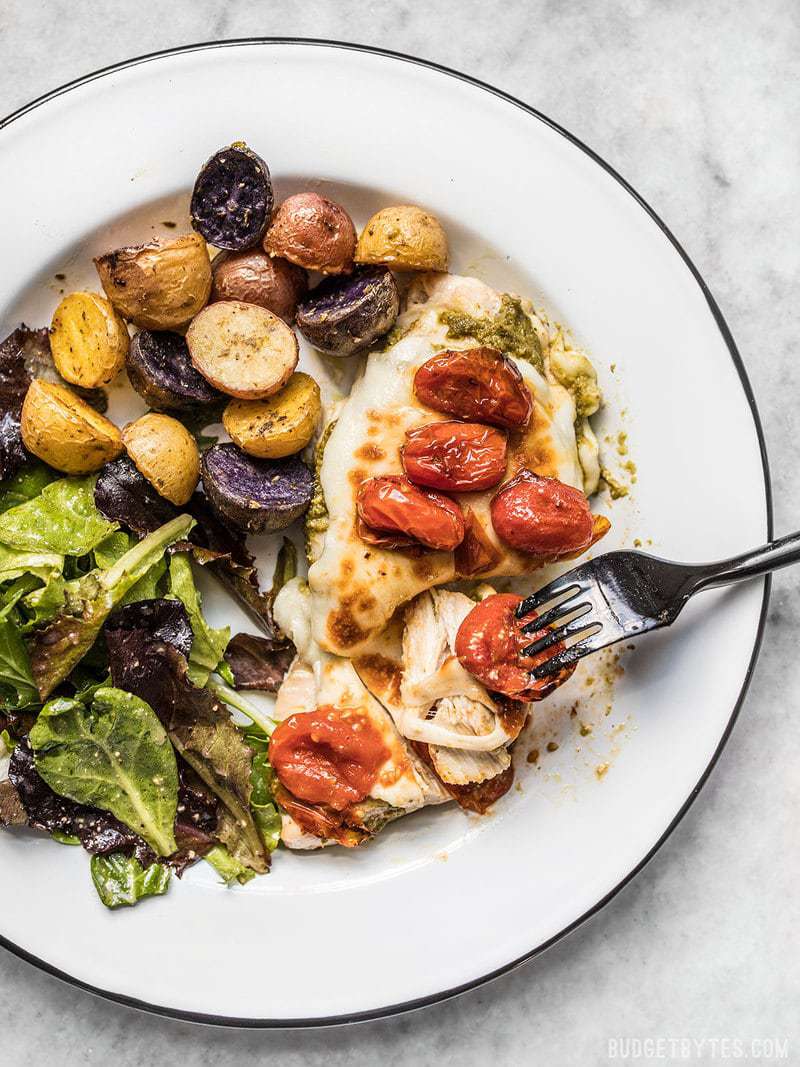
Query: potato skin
[(256, 278), (160, 370), (344, 315), (242, 349), (64, 431), (313, 232), (404, 237), (278, 426), (160, 285), (256, 495), (88, 339), (166, 454)]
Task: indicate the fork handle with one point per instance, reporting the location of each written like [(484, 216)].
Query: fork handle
[(763, 560)]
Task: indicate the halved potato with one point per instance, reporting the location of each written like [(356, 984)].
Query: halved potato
[(242, 349), (403, 237), (278, 426), (166, 454), (60, 428), (88, 339), (159, 285)]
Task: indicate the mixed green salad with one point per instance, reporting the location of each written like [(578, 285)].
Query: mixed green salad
[(123, 727)]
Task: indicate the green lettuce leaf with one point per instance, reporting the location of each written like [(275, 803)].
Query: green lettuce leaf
[(113, 548), (208, 644), (56, 648), (228, 868), (44, 603), (121, 881), (262, 804), (25, 485), (16, 564), (62, 518), (112, 754), (17, 686)]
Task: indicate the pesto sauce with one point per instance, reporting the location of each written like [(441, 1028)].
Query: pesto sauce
[(615, 487), (584, 392), (510, 330), (317, 514)]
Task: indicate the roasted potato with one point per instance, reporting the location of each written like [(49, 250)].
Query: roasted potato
[(278, 426), (404, 237), (160, 285), (232, 198), (313, 232), (60, 428), (242, 349), (166, 454), (257, 495), (343, 315), (161, 372), (88, 339), (256, 278)]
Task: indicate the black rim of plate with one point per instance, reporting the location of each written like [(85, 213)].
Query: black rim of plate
[(411, 1005)]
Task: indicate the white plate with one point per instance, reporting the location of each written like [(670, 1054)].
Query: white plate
[(440, 901)]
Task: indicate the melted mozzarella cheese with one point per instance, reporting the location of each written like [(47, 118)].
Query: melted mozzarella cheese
[(357, 587)]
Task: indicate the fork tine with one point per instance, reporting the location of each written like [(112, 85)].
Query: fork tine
[(560, 632), (565, 658), (548, 592), (548, 617)]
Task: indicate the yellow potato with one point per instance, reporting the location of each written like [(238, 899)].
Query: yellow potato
[(278, 426), (88, 339), (160, 285), (242, 349), (64, 431), (166, 454), (403, 237)]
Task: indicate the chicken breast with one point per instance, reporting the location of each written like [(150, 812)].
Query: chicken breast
[(356, 587)]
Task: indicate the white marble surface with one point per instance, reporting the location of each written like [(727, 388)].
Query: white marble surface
[(697, 105)]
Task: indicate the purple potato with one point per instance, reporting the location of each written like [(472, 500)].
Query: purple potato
[(256, 495), (232, 198), (161, 372), (343, 315)]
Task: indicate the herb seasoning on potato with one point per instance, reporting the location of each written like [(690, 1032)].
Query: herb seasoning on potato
[(242, 349), (166, 454), (313, 232), (64, 431), (403, 237), (232, 198), (88, 339), (160, 285), (278, 426)]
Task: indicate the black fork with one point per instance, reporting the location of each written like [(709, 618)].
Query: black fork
[(622, 595)]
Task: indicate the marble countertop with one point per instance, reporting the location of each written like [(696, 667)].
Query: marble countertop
[(697, 105)]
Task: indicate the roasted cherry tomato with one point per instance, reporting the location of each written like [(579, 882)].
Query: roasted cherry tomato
[(393, 504), (476, 554), (479, 384), (329, 756), (489, 645), (458, 457), (542, 516)]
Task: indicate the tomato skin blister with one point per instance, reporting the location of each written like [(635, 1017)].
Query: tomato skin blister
[(455, 457), (489, 645), (542, 517), (478, 384), (393, 504)]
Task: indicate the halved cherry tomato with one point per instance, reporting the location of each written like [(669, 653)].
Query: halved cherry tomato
[(458, 457), (542, 516), (329, 756), (479, 384), (489, 645), (393, 504)]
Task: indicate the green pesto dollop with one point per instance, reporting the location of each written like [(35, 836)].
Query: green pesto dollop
[(317, 514), (615, 487), (510, 330)]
